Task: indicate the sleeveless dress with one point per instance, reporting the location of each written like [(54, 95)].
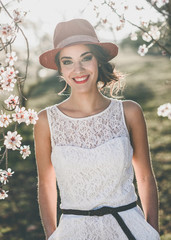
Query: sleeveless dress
[(92, 158)]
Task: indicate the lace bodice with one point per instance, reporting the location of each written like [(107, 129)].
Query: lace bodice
[(88, 132), (92, 157)]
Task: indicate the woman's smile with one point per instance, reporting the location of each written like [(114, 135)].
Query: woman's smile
[(81, 79)]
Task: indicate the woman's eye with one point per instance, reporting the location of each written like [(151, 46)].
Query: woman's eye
[(87, 58), (66, 62)]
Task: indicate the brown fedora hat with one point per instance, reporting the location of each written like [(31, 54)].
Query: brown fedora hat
[(76, 31)]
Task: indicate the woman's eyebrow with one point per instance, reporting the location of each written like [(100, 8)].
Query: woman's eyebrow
[(66, 57), (80, 55), (84, 53)]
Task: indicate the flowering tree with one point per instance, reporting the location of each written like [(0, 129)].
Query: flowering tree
[(10, 83), (117, 16)]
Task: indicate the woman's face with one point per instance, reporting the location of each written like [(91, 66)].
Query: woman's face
[(79, 67)]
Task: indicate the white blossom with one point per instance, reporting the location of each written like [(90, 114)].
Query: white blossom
[(139, 7), (8, 79), (146, 37), (7, 31), (4, 120), (20, 115), (144, 23), (120, 27), (12, 101), (11, 58), (126, 6), (3, 179), (133, 36), (142, 50), (19, 15), (3, 194), (12, 140), (2, 70), (5, 174), (8, 84), (31, 117), (169, 115), (154, 32), (159, 3), (25, 151), (164, 110), (9, 172)]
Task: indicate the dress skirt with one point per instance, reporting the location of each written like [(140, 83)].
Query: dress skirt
[(72, 227)]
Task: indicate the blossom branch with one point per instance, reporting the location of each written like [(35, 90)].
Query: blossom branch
[(8, 78), (139, 27), (26, 40)]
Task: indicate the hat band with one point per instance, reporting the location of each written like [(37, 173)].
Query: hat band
[(75, 39)]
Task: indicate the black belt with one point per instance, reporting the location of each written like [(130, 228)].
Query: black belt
[(104, 211)]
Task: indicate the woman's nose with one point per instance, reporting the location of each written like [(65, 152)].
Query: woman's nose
[(78, 67)]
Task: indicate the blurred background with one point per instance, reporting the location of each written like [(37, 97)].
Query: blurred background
[(148, 82)]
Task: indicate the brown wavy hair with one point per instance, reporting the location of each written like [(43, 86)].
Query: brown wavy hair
[(107, 75)]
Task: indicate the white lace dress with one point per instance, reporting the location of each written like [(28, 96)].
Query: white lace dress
[(92, 157)]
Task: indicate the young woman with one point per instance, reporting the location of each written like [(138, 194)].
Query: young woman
[(90, 144)]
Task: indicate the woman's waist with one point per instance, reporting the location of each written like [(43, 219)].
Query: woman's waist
[(93, 204)]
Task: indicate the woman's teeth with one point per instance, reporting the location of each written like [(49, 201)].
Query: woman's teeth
[(82, 79)]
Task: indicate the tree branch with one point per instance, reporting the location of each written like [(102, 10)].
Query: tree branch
[(142, 29), (166, 13)]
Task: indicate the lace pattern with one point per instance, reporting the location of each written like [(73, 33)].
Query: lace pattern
[(88, 132)]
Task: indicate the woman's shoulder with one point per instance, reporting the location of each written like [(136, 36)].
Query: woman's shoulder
[(44, 112), (43, 116), (131, 107), (133, 113)]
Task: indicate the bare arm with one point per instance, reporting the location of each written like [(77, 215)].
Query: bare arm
[(146, 182), (47, 193)]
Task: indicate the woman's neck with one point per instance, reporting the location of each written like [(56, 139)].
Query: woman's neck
[(88, 103)]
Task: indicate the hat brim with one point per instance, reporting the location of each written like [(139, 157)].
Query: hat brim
[(47, 59)]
